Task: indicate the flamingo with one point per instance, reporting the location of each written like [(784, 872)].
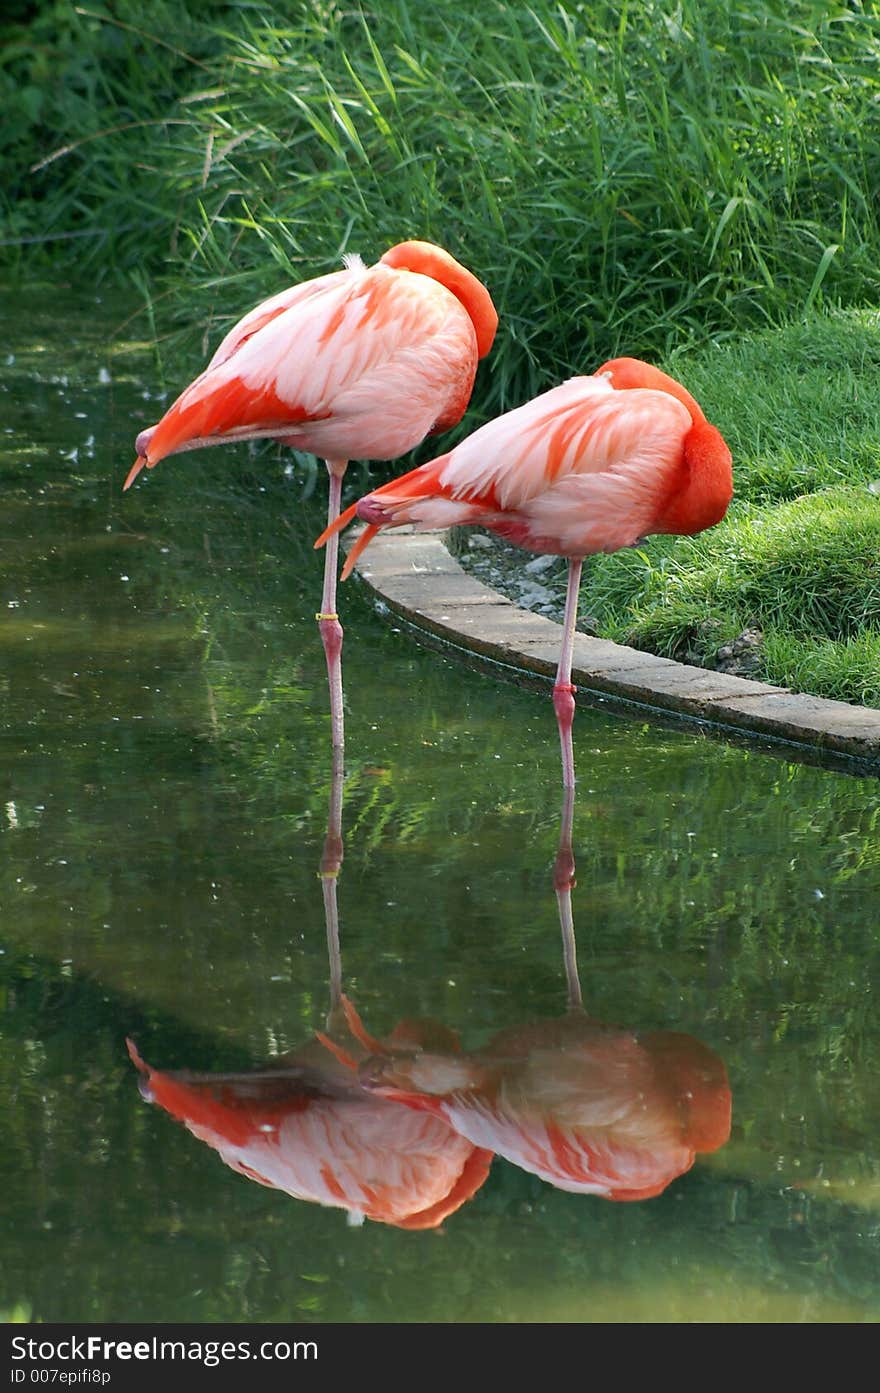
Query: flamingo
[(591, 1108), (361, 363), (593, 465), (303, 1124)]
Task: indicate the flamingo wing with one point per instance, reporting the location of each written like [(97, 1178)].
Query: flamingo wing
[(267, 310)]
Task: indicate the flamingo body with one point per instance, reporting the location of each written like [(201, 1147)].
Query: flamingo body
[(591, 466), (312, 1132), (362, 363)]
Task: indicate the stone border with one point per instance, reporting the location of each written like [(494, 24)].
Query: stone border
[(416, 577)]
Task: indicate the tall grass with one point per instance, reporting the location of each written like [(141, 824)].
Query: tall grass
[(623, 176)]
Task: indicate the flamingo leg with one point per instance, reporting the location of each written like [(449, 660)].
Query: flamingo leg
[(328, 620), (563, 691), (331, 865), (563, 883)]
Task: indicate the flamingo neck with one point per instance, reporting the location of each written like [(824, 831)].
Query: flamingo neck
[(626, 373), (427, 260), (706, 495), (701, 492)]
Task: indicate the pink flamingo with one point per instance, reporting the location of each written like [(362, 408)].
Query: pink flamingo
[(303, 1123), (362, 363), (305, 1126), (591, 1108), (591, 466)]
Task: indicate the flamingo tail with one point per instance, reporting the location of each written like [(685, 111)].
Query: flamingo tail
[(360, 545), (336, 525), (363, 541), (344, 1056), (358, 1030), (357, 1027), (381, 507)]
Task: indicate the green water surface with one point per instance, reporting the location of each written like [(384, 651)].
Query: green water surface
[(164, 786)]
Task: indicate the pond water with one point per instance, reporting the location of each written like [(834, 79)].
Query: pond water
[(166, 785)]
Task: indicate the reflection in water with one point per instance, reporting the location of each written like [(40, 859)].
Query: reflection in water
[(403, 1129), (305, 1125), (591, 1108)]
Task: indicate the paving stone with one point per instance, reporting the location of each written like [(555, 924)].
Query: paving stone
[(797, 716), (433, 594)]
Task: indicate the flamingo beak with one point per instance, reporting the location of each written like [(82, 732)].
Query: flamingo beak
[(134, 471)]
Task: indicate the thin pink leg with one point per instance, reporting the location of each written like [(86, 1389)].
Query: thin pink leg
[(331, 865), (563, 883), (563, 691), (328, 620)]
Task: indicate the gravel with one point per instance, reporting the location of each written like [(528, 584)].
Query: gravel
[(538, 584)]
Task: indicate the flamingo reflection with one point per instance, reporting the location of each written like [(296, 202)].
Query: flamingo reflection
[(591, 1108), (305, 1124)]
